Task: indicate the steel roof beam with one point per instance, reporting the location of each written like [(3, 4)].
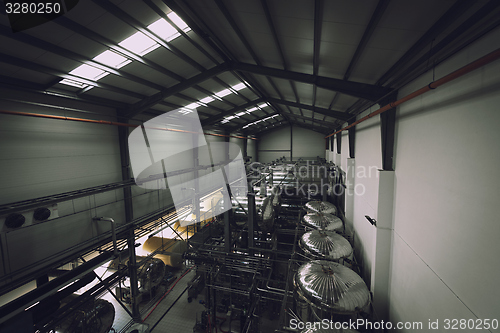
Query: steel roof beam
[(150, 101), (446, 20), (274, 33), (160, 12), (370, 28), (334, 114), (219, 117), (356, 89), (245, 42)]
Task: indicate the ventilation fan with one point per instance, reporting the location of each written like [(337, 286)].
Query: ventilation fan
[(14, 220), (17, 220)]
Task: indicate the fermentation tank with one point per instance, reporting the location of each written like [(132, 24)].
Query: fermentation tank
[(321, 207), (96, 316), (322, 244), (323, 221), (330, 288)]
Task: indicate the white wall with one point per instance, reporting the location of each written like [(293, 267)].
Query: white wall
[(444, 245), (446, 217), (368, 161)]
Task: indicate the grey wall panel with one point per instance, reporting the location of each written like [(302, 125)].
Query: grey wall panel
[(238, 142), (40, 157), (269, 156), (44, 156), (274, 140), (307, 144), (252, 149)]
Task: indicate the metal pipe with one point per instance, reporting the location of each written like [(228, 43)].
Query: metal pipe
[(490, 57), (114, 123), (113, 231)]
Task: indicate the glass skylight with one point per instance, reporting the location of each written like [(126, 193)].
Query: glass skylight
[(112, 59), (178, 21), (207, 99), (73, 83), (164, 30), (192, 105), (260, 120), (89, 72), (239, 86), (223, 93), (139, 43)]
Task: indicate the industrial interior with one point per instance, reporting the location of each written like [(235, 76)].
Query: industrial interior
[(250, 166)]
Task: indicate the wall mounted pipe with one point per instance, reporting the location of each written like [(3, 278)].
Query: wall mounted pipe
[(113, 231), (105, 122), (490, 57)]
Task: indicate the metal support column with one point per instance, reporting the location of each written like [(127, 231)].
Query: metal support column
[(129, 216), (251, 217), (227, 225), (387, 130), (132, 270), (245, 147), (339, 142), (352, 139)]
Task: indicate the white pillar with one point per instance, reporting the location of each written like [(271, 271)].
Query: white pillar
[(381, 267), (349, 195)]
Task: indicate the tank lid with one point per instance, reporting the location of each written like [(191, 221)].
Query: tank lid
[(326, 244), (332, 286)]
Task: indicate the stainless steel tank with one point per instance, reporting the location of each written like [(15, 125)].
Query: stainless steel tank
[(331, 287), (266, 215), (321, 207), (323, 221), (324, 244)]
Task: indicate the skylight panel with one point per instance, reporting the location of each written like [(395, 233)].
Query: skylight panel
[(239, 86), (89, 72), (164, 29), (139, 43), (223, 93), (178, 21), (207, 99), (73, 83), (192, 106), (112, 59)]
